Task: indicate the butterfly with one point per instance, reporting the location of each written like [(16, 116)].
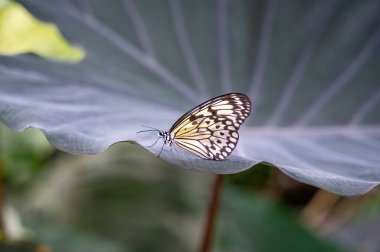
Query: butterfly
[(210, 130)]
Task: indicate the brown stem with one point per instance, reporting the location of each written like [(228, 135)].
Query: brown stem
[(211, 214)]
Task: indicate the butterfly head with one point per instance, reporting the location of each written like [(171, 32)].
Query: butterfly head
[(161, 134), (165, 137)]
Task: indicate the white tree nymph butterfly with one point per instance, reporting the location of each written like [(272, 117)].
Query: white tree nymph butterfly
[(210, 130)]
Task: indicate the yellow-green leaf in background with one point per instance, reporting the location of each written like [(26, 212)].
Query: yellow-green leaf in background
[(20, 32)]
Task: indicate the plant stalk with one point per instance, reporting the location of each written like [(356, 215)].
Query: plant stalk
[(208, 230)]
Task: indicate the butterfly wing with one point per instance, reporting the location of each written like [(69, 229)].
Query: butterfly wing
[(210, 130)]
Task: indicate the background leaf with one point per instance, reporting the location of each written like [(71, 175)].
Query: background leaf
[(310, 69), (20, 33)]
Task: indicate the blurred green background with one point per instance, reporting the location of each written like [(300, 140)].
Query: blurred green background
[(127, 200)]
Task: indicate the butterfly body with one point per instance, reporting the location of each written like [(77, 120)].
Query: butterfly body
[(166, 137), (210, 130)]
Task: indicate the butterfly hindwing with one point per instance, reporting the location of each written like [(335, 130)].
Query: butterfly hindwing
[(210, 130)]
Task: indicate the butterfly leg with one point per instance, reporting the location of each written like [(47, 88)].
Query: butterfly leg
[(171, 146), (161, 150), (175, 150), (153, 143)]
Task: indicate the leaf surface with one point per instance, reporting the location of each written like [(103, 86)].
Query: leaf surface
[(310, 69)]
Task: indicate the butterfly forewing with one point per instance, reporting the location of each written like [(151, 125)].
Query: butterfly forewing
[(210, 130)]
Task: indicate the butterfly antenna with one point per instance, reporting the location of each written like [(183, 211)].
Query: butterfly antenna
[(161, 150), (146, 131), (149, 127)]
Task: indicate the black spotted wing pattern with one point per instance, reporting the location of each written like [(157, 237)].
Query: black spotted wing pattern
[(210, 130)]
